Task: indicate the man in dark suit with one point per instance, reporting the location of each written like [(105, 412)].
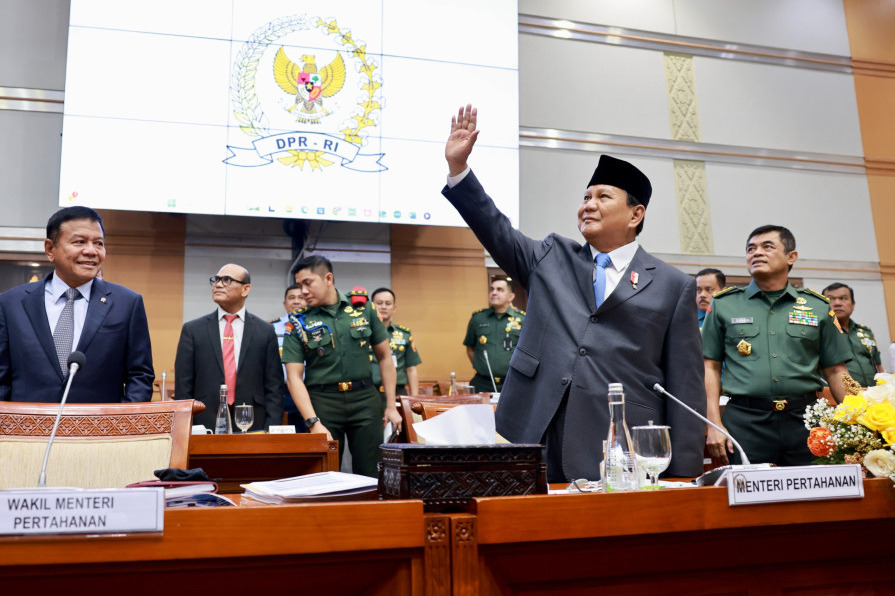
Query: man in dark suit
[(230, 334), (632, 323), (71, 309)]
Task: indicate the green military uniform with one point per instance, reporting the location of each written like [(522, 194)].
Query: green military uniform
[(864, 352), (404, 354), (334, 344), (497, 334), (772, 347)]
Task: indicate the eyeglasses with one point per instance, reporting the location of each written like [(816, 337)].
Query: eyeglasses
[(225, 280)]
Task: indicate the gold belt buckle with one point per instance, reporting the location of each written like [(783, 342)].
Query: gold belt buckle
[(345, 386), (780, 404)]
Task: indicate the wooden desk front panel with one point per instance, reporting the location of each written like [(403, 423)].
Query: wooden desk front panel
[(684, 542), (351, 548), (240, 459)]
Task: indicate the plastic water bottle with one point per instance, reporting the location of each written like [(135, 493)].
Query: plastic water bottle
[(621, 472), (222, 424)]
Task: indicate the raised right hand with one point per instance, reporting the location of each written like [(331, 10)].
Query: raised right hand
[(463, 136)]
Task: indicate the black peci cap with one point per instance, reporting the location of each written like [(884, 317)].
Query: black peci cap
[(621, 174)]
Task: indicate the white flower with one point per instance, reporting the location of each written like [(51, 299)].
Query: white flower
[(881, 393), (880, 463)]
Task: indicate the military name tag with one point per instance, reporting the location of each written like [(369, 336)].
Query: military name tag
[(740, 320)]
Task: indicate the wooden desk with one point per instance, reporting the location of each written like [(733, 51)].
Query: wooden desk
[(239, 459), (350, 548), (684, 541)]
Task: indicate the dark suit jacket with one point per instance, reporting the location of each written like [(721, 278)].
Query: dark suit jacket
[(199, 370), (566, 343), (115, 340)]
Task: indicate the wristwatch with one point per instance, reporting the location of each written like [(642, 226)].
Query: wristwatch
[(312, 421)]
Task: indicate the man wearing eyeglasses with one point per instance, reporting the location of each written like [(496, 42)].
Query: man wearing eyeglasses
[(230, 347)]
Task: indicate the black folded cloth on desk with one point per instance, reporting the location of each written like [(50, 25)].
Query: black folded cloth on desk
[(179, 475)]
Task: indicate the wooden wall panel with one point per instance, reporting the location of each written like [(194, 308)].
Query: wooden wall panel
[(439, 278), (870, 26), (145, 252)]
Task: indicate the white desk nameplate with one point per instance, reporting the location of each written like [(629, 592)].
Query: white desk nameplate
[(281, 429), (81, 511), (795, 483)]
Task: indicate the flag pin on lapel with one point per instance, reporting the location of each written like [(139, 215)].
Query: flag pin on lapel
[(634, 277)]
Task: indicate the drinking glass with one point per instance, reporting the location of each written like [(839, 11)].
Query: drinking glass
[(245, 417), (652, 450)]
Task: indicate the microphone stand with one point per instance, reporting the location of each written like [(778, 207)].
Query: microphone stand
[(72, 369), (712, 476), (491, 374)]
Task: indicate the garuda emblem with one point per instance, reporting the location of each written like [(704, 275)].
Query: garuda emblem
[(307, 84)]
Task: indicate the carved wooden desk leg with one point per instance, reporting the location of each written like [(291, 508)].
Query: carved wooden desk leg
[(438, 554), (464, 555)]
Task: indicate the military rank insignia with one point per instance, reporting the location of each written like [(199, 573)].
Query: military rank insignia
[(483, 339), (744, 348)]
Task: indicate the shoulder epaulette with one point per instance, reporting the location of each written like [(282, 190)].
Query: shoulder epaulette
[(481, 310), (862, 326), (727, 291), (272, 321), (301, 310), (520, 311), (813, 293), (402, 327)]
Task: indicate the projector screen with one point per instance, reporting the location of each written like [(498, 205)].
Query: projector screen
[(332, 110)]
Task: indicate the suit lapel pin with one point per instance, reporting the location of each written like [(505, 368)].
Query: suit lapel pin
[(634, 277), (103, 299)]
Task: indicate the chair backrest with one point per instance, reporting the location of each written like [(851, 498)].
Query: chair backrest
[(412, 409), (431, 409), (97, 445), (429, 388)]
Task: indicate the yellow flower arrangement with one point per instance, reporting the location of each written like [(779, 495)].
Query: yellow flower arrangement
[(860, 430)]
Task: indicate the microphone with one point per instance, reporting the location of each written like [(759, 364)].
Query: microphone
[(491, 374), (76, 361), (711, 476)]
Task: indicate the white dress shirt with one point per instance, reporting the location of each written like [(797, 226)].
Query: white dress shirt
[(621, 257), (54, 301)]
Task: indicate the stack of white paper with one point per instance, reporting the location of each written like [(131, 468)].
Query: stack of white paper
[(309, 487)]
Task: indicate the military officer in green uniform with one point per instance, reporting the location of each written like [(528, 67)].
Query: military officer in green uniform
[(866, 360), (771, 339), (493, 331), (326, 349), (404, 352)]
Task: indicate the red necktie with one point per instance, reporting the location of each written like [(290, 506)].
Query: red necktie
[(229, 359)]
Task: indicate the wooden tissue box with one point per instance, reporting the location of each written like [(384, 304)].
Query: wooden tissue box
[(447, 477)]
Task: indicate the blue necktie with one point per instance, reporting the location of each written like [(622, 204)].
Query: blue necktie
[(602, 260)]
